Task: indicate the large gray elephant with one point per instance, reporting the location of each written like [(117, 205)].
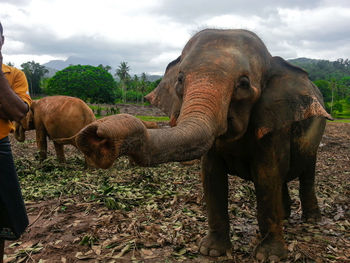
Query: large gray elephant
[(245, 113)]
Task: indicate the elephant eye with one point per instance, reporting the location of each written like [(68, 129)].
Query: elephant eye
[(179, 87), (244, 82), (180, 78)]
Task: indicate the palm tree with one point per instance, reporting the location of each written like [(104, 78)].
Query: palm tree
[(106, 68), (123, 73), (143, 85), (34, 73)]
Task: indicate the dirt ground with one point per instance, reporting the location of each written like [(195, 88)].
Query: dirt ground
[(132, 214)]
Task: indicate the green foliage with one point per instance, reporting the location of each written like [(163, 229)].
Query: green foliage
[(93, 84), (333, 80), (324, 69), (340, 109), (34, 73), (106, 68), (153, 118), (96, 84), (325, 89)]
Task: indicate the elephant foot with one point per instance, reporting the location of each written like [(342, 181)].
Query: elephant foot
[(61, 160), (42, 156), (270, 249), (214, 244), (287, 212), (313, 216)]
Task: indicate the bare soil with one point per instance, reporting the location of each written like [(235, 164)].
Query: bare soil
[(132, 214)]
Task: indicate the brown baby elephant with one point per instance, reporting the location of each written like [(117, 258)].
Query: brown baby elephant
[(54, 117)]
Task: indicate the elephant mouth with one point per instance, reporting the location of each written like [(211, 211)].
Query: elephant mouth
[(19, 133), (101, 152)]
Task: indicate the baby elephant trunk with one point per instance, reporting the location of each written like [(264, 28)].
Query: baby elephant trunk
[(70, 140)]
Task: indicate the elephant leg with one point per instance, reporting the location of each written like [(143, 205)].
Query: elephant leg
[(270, 167), (59, 148), (41, 143), (287, 201), (215, 185), (309, 205), (2, 250)]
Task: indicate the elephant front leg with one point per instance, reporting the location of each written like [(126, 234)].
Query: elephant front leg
[(59, 152), (270, 166), (270, 215), (41, 143), (214, 179)]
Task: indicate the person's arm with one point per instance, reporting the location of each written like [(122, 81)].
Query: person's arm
[(12, 107)]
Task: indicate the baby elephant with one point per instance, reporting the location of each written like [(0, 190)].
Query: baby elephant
[(54, 117)]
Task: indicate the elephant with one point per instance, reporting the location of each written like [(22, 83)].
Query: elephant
[(242, 111), (55, 117)]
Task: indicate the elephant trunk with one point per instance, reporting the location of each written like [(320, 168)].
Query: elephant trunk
[(70, 140), (19, 133), (201, 120), (106, 139), (203, 117)]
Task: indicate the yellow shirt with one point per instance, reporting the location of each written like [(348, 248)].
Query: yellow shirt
[(18, 82)]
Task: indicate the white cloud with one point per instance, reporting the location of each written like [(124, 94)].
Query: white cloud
[(149, 34)]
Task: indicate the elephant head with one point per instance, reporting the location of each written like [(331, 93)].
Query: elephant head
[(164, 96), (224, 82), (26, 124)]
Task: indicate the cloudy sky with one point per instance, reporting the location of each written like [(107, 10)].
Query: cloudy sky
[(148, 34)]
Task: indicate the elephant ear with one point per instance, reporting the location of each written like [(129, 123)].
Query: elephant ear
[(289, 96), (164, 96)]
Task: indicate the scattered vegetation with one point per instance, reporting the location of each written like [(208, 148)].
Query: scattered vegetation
[(157, 214)]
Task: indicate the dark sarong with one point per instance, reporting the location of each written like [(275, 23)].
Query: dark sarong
[(13, 216)]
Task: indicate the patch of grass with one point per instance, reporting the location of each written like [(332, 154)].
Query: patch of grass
[(345, 113), (153, 118), (341, 120)]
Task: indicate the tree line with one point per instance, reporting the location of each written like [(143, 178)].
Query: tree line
[(98, 85), (90, 83), (333, 80)]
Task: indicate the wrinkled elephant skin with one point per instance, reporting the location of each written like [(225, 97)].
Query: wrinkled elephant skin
[(245, 113), (54, 117)]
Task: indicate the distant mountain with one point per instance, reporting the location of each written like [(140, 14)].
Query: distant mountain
[(152, 78), (51, 73), (303, 60), (323, 69), (61, 64)]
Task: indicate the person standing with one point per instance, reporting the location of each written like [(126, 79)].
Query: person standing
[(14, 104)]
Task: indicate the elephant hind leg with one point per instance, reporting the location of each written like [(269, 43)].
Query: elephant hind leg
[(2, 249), (310, 208), (60, 152), (287, 201)]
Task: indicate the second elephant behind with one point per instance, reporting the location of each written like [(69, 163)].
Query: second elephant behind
[(54, 117)]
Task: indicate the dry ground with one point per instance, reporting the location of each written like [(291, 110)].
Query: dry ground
[(130, 214)]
